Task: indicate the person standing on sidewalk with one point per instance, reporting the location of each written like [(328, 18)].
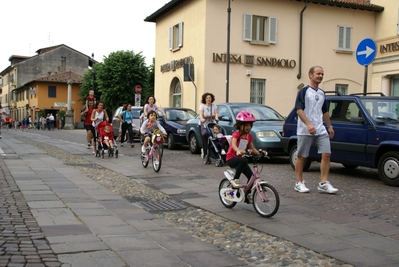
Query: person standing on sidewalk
[(89, 124), (311, 108), (126, 118)]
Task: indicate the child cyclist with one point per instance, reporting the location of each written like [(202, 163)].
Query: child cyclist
[(148, 127), (241, 140)]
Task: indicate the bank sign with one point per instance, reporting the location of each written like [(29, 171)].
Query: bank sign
[(251, 60)]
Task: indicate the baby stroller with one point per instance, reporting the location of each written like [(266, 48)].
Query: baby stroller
[(102, 148), (217, 146)]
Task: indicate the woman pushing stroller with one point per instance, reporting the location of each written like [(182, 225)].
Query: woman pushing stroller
[(97, 116)]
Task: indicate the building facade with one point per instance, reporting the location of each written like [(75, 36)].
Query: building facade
[(39, 82), (272, 45), (385, 67)]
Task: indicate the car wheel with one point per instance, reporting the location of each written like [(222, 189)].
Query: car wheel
[(349, 166), (388, 168), (171, 142), (193, 144), (294, 156)]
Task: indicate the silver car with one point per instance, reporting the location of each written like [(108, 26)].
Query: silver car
[(136, 121)]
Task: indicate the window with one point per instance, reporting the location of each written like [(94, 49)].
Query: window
[(176, 36), (342, 88), (395, 87), (257, 91), (344, 38), (343, 110), (176, 96), (260, 29), (52, 92)]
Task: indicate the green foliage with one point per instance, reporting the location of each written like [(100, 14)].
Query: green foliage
[(116, 78), (42, 113), (61, 114)]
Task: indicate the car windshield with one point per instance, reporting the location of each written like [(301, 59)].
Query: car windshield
[(382, 109), (180, 114), (261, 113)]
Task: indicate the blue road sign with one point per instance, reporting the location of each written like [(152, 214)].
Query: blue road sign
[(366, 51)]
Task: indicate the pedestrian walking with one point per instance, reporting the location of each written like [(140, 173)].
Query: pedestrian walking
[(208, 113), (88, 124), (312, 110), (126, 118)]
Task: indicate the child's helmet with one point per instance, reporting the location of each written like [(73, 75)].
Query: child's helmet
[(245, 116)]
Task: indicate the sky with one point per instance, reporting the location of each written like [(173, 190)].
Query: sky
[(88, 26)]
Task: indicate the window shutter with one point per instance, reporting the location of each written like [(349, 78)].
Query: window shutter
[(341, 37), (170, 38), (272, 30), (247, 31), (348, 37), (180, 38)]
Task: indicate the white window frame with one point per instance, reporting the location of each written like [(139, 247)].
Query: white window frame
[(258, 91), (252, 24), (344, 38), (176, 36)]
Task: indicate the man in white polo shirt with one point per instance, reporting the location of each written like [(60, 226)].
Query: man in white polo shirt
[(311, 108)]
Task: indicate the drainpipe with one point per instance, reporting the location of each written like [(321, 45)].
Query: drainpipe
[(300, 40)]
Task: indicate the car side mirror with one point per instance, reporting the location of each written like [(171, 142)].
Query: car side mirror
[(359, 120)]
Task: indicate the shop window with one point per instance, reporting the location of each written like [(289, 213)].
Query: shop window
[(342, 88), (176, 36), (260, 29), (395, 87), (258, 88), (52, 92), (344, 38)]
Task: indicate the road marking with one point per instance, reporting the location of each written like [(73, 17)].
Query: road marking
[(2, 152)]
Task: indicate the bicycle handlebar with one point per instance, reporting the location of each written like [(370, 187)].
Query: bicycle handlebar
[(249, 154)]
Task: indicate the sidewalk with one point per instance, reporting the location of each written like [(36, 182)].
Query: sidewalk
[(85, 224)]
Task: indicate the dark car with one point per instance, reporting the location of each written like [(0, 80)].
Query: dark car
[(266, 131), (366, 128), (175, 125)]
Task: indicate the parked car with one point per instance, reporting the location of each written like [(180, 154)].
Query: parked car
[(136, 121), (366, 130), (175, 125), (266, 130)]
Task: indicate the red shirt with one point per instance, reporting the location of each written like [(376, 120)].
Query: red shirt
[(106, 136), (88, 117), (231, 153)]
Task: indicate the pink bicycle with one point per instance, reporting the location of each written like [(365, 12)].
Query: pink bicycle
[(263, 196)]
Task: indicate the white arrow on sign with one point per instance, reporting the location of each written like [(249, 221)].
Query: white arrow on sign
[(366, 52)]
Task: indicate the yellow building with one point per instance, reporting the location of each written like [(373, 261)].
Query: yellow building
[(272, 45), (50, 93), (385, 67)]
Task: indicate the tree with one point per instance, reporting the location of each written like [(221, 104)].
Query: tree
[(118, 76)]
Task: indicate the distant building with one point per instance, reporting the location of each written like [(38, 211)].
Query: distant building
[(39, 82)]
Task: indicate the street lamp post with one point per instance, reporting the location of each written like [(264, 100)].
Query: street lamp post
[(228, 52)]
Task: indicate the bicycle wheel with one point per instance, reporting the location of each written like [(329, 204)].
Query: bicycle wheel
[(225, 184), (144, 159), (267, 202), (157, 158)]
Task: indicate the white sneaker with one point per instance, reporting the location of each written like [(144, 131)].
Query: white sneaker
[(223, 152), (301, 188), (105, 151), (142, 149), (327, 188)]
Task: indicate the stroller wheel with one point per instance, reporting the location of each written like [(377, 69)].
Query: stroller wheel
[(219, 163)]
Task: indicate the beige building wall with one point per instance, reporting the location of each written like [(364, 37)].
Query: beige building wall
[(205, 34), (385, 67)]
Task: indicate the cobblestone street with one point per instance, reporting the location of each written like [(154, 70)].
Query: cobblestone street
[(240, 232)]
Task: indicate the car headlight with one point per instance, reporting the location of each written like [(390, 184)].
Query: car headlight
[(266, 134), (181, 131)]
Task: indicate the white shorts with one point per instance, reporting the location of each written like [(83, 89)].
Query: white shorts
[(304, 143)]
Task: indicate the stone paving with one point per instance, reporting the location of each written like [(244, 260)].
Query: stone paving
[(254, 248), (22, 243)]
